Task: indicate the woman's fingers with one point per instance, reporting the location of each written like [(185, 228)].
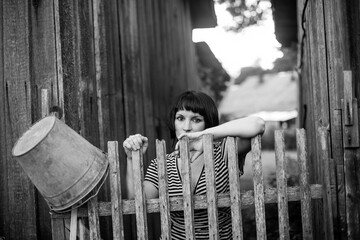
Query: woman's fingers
[(135, 142)]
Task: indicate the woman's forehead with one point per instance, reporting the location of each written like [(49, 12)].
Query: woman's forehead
[(187, 113)]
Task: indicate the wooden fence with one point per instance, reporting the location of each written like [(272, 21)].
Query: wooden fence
[(235, 199)]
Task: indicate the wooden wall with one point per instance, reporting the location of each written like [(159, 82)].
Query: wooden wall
[(113, 66), (327, 48)]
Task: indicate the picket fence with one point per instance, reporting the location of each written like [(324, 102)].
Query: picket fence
[(235, 199)]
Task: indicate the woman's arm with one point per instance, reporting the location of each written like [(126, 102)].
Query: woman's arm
[(134, 143), (243, 128), (246, 127)]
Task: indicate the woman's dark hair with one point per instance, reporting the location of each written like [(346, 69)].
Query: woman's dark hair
[(196, 102)]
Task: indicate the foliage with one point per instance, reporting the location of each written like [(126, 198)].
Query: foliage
[(244, 13)]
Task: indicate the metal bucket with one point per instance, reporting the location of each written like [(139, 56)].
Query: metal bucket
[(63, 166)]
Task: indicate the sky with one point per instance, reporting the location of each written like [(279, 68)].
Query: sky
[(255, 45)]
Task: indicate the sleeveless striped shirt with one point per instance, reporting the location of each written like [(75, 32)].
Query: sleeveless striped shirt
[(175, 189)]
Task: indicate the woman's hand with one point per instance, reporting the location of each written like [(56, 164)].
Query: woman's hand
[(134, 143), (195, 144)]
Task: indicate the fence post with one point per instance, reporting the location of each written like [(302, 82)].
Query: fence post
[(258, 188), (305, 194), (163, 190), (235, 196), (115, 190), (327, 208), (211, 193), (140, 201), (187, 193), (281, 185)]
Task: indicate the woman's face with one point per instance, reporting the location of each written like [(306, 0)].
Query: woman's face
[(188, 121)]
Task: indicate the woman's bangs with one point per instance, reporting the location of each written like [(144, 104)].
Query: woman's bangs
[(191, 104)]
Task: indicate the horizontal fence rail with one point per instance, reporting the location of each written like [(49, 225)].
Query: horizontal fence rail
[(212, 200)]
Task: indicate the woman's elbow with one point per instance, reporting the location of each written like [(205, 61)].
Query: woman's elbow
[(259, 125)]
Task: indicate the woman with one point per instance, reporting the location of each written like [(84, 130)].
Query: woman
[(193, 115)]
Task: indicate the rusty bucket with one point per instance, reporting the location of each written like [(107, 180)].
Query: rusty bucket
[(63, 166)]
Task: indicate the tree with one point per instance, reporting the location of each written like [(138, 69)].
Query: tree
[(245, 13)]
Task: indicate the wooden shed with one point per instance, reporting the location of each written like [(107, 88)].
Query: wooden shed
[(113, 66), (329, 90)]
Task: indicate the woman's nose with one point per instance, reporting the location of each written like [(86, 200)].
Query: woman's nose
[(187, 126)]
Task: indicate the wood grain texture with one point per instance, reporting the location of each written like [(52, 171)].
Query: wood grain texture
[(21, 209), (140, 201), (163, 190), (188, 206), (211, 193), (115, 187), (258, 188), (93, 214), (177, 203), (235, 195), (327, 198), (73, 224), (306, 208), (281, 184), (4, 229)]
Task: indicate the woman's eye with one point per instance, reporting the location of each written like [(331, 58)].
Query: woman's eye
[(196, 120), (180, 118)]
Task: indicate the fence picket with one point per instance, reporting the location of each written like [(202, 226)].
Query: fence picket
[(140, 201), (235, 196), (258, 188), (115, 189), (211, 201), (73, 224), (211, 193), (327, 208), (281, 185), (163, 190), (305, 193), (187, 193), (94, 224)]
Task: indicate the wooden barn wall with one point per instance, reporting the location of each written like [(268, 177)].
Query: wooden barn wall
[(113, 66), (327, 49)]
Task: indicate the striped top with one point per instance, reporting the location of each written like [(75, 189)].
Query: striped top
[(175, 189)]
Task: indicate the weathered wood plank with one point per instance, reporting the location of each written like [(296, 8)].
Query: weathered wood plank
[(21, 219), (327, 209), (338, 178), (235, 196), (350, 136), (281, 184), (73, 224), (188, 206), (59, 67), (140, 201), (44, 63), (211, 193), (97, 25), (93, 213), (58, 229), (200, 202), (70, 61), (258, 188), (115, 187), (163, 190), (306, 209), (44, 103), (4, 228), (338, 60)]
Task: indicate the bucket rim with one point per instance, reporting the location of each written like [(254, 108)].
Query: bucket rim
[(37, 144)]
